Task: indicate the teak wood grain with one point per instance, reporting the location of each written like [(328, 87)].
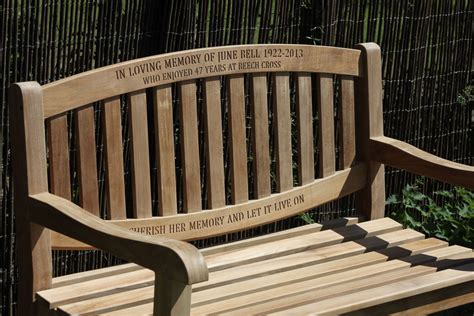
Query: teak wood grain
[(305, 128), (369, 117), (283, 150), (164, 133), (327, 160), (140, 154), (190, 147), (86, 158), (115, 186), (260, 141), (59, 172), (237, 134), (347, 125), (402, 155), (67, 94), (214, 145), (29, 165), (343, 266)]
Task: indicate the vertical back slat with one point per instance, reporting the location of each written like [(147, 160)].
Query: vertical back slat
[(304, 110), (260, 135), (214, 149), (86, 160), (237, 135), (140, 154), (347, 131), (281, 105), (327, 164), (115, 185), (190, 147), (163, 105), (59, 157)]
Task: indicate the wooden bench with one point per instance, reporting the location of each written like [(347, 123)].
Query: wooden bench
[(339, 267)]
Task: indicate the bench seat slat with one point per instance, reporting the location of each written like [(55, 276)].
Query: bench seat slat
[(86, 158), (306, 229), (190, 147), (93, 274), (409, 285), (357, 280), (297, 231), (302, 274), (81, 285), (214, 145), (112, 303), (115, 184), (299, 243), (164, 133), (97, 287), (300, 292), (307, 258), (142, 297), (140, 154), (298, 287), (403, 284), (59, 157)]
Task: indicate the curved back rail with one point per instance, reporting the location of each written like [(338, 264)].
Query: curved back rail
[(235, 172)]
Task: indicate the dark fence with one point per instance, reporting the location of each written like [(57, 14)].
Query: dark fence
[(427, 51)]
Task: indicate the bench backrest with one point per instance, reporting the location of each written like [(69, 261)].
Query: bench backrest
[(234, 171)]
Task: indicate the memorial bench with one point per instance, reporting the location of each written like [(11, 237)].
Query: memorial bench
[(337, 267)]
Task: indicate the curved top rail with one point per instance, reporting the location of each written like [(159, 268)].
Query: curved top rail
[(75, 91)]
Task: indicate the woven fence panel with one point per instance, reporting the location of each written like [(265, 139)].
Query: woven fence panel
[(427, 59), (427, 53)]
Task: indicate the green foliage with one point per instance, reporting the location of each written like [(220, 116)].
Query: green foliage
[(307, 218), (466, 96), (452, 219)]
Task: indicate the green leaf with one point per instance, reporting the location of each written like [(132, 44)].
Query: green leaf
[(392, 199), (307, 218), (447, 194), (466, 211), (418, 196), (413, 223)]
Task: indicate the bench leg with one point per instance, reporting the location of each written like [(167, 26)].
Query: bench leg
[(34, 264), (171, 297)]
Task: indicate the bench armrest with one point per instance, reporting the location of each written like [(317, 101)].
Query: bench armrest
[(174, 259), (401, 155)]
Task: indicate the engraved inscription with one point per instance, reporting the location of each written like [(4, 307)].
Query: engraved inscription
[(168, 69), (220, 220), (206, 223)]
